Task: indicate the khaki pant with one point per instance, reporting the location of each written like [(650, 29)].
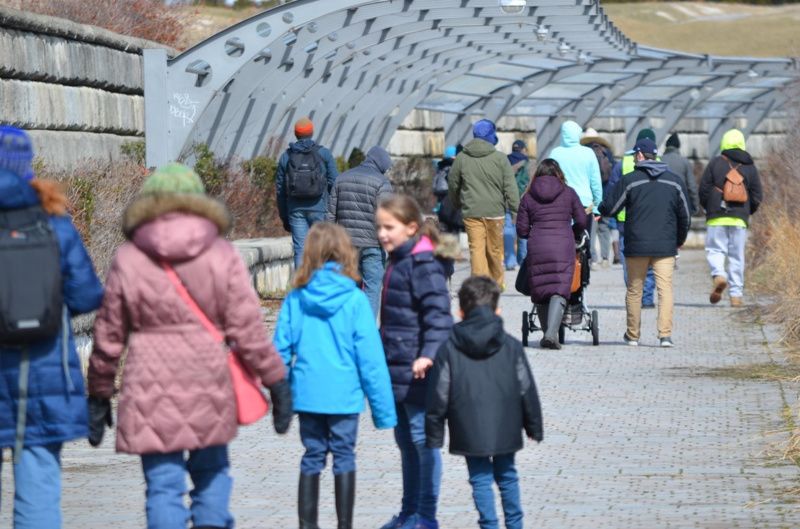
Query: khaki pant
[(486, 247), (637, 271)]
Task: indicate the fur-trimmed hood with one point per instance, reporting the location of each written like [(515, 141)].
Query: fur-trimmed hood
[(449, 247), (151, 206)]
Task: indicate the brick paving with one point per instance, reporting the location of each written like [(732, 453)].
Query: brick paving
[(634, 437)]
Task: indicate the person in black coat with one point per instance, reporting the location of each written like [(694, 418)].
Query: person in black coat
[(482, 385)]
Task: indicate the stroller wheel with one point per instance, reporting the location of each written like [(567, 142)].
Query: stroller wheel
[(595, 328), (526, 328), (562, 331)]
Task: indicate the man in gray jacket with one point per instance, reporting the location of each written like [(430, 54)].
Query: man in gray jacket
[(682, 167), (353, 201)]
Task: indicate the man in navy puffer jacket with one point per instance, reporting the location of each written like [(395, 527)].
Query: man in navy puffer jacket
[(42, 397)]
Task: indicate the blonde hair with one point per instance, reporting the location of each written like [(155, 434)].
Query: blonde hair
[(326, 242), (405, 209)]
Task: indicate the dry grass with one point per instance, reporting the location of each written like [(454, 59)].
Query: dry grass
[(720, 29), (146, 19)]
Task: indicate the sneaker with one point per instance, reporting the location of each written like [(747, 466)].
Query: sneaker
[(605, 263), (650, 305), (666, 341), (399, 522), (630, 341), (594, 266), (720, 284), (736, 301), (424, 523)]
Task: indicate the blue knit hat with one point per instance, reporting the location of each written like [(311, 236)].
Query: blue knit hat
[(485, 130), (450, 151), (16, 152)]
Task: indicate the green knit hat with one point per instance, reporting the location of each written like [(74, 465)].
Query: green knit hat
[(646, 133), (173, 178)]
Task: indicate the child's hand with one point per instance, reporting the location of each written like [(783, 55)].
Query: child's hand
[(421, 366)]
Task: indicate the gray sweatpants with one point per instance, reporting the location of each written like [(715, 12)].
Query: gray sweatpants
[(722, 242)]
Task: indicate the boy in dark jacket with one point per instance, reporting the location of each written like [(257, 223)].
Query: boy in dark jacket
[(482, 383)]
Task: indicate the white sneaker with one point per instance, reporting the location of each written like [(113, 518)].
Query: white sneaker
[(630, 341), (666, 341)]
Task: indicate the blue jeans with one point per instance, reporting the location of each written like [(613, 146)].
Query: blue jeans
[(650, 279), (165, 476), (371, 264), (509, 238), (37, 487), (322, 433), (522, 250), (499, 469), (422, 466), (300, 221)]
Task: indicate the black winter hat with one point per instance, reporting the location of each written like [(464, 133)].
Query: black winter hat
[(674, 141)]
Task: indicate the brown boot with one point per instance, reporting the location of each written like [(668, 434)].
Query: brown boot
[(736, 301), (720, 284)]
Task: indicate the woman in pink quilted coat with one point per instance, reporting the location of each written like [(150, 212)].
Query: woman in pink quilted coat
[(176, 394)]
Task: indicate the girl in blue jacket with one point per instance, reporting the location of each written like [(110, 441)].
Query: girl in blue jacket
[(415, 321), (42, 395), (327, 337)]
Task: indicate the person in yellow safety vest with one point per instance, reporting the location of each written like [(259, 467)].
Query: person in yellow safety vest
[(620, 169)]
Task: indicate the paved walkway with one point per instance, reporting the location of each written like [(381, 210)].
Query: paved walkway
[(634, 438)]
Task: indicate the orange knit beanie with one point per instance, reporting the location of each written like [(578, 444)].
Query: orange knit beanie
[(304, 128)]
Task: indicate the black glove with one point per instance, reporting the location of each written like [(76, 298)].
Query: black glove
[(99, 418), (281, 396)]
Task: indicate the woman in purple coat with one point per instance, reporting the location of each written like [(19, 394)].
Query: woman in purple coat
[(550, 215)]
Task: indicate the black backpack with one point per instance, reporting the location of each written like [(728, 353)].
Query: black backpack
[(305, 174), (30, 277)]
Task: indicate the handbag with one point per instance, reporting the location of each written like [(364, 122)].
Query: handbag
[(250, 402), (576, 275), (522, 282)]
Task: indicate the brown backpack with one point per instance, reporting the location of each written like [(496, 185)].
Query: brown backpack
[(734, 189)]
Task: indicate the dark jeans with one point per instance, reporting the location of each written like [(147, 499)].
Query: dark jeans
[(300, 221), (371, 265), (322, 433), (483, 471), (422, 466)]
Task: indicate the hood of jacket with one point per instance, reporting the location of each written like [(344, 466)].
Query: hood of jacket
[(546, 189), (733, 139), (478, 148), (15, 192), (652, 168), (303, 145), (175, 236), (516, 157), (151, 206), (327, 291), (738, 156), (481, 334), (570, 134), (377, 159)]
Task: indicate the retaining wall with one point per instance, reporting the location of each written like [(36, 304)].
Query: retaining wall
[(77, 89)]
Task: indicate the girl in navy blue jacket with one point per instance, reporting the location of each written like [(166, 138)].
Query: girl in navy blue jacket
[(327, 337), (415, 321)]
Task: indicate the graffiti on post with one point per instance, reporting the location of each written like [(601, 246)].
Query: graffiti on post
[(183, 108)]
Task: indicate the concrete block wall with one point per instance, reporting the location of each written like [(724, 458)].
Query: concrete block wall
[(422, 134), (77, 89)]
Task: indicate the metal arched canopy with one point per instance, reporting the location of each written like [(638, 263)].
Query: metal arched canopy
[(359, 67)]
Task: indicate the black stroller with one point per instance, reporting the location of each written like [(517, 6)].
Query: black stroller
[(577, 316)]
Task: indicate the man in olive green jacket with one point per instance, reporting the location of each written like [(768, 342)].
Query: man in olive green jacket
[(482, 185)]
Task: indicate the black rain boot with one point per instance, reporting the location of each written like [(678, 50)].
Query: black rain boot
[(541, 311), (345, 487), (555, 313), (308, 501)]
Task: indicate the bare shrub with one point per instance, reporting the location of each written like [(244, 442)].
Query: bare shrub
[(146, 19), (775, 239)]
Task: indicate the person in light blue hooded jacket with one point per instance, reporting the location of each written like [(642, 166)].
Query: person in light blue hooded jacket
[(327, 336), (580, 167)]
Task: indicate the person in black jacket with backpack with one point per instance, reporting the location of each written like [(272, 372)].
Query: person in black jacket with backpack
[(482, 385), (727, 220), (306, 173)]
